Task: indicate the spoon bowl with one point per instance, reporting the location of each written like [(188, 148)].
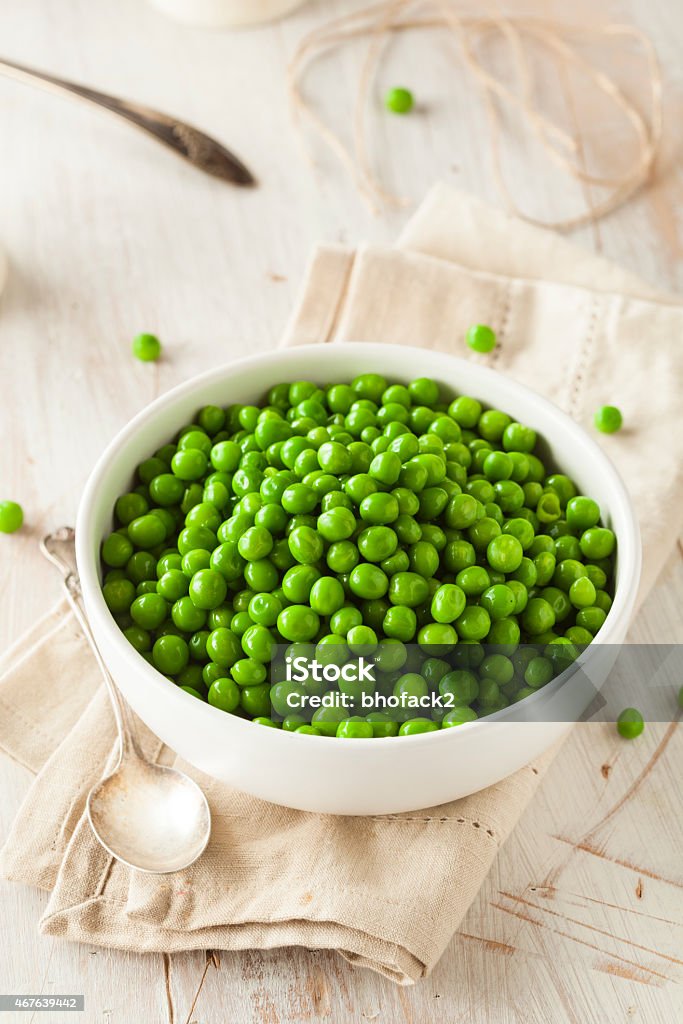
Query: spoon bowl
[(150, 817)]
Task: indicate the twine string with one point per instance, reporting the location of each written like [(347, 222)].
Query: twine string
[(561, 41)]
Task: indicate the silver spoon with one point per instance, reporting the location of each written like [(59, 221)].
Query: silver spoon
[(149, 817), (189, 142)]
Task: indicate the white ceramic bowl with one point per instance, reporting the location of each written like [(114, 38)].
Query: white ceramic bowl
[(364, 776)]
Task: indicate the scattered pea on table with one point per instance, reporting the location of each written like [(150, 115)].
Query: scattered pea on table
[(481, 338), (399, 100), (608, 419), (11, 516), (146, 347), (630, 723)]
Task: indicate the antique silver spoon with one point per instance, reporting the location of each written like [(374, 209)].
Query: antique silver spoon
[(152, 818), (188, 142)]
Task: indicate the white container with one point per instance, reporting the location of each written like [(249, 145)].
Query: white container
[(226, 13), (4, 269), (315, 773)]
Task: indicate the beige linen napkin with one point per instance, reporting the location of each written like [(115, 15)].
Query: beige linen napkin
[(387, 892)]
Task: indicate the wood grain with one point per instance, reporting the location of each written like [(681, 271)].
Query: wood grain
[(580, 918)]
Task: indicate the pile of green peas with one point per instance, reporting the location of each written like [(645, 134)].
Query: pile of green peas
[(357, 518)]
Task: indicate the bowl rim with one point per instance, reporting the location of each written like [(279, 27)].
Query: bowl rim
[(622, 605)]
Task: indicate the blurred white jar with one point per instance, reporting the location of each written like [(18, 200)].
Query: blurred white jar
[(226, 13), (4, 267)]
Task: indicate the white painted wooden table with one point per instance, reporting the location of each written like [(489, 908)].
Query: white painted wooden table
[(581, 917)]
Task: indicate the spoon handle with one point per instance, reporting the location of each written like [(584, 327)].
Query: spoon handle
[(128, 742), (188, 142)]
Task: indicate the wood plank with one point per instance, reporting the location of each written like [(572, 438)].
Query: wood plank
[(109, 235)]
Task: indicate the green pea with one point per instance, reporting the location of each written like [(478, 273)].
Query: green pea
[(437, 638), (567, 572), (519, 468), (582, 593), (370, 386), (141, 566), (545, 565), (368, 581), (261, 576), (492, 424), (461, 685), (498, 466), (119, 595), (258, 643), (630, 723), (382, 724), (408, 588), (256, 542), (327, 595), (505, 553), (337, 524), (223, 647), (146, 348), (299, 499), (458, 554), (407, 529), (193, 537), (189, 464), (473, 580), (298, 623), (305, 545), (385, 468), (458, 716), (325, 720), (342, 556), (264, 609), (591, 619), (410, 685), (413, 475), (482, 532), (448, 603), (474, 623), (538, 616), (208, 589), (497, 667), (170, 654), (608, 419), (424, 559), (138, 638), (379, 508), (526, 573), (354, 728), (224, 694), (597, 542), (417, 725), (255, 700), (480, 338), (343, 620), (538, 672), (146, 587), (377, 543), (149, 611), (433, 500), (116, 550), (499, 601), (173, 585), (579, 636), (400, 623)]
